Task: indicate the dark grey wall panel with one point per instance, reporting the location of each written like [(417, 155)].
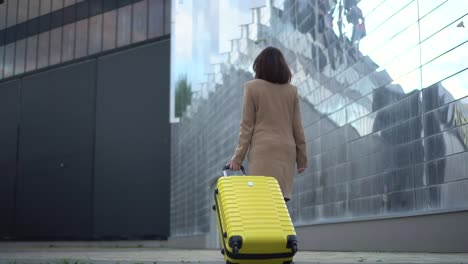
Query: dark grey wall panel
[(56, 153), (9, 118), (132, 143)]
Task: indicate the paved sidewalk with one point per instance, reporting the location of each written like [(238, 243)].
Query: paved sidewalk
[(101, 255)]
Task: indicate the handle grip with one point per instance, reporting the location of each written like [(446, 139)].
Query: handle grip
[(226, 168)]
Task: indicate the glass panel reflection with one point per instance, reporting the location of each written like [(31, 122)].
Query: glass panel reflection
[(46, 6), (95, 34), (12, 12), (449, 116), (2, 53), (155, 18), (69, 2), (167, 16), (109, 30), (443, 41), (9, 59), (445, 91), (455, 195), (43, 50), (410, 81), (446, 143), (398, 44), (20, 56), (34, 8), (426, 7), (3, 16), (81, 41), (31, 53), (22, 10), (438, 19), (446, 65), (389, 28), (55, 46), (57, 4), (362, 98), (68, 47), (139, 21), (124, 20)]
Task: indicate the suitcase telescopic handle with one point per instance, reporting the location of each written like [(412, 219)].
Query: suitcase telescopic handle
[(226, 168)]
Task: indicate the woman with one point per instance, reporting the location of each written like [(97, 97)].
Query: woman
[(271, 123)]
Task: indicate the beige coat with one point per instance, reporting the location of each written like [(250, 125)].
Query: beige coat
[(271, 126)]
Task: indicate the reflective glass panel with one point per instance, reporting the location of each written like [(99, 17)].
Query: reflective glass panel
[(81, 41), (397, 45), (455, 87), (390, 29), (95, 34), (31, 53), (20, 56), (34, 8), (109, 30), (69, 2), (426, 7), (46, 6), (3, 16), (12, 12), (155, 18), (2, 53), (441, 17), (167, 16), (43, 50), (55, 46), (57, 4), (124, 20), (445, 65), (443, 41), (68, 47), (9, 65), (140, 21), (23, 10), (372, 132)]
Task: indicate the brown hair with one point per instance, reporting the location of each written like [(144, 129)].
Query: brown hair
[(271, 66)]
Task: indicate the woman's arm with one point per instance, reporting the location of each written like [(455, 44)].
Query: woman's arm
[(246, 126), (298, 130)]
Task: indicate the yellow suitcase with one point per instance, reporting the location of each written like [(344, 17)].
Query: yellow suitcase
[(253, 221)]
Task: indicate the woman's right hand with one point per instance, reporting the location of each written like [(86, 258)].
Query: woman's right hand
[(300, 170), (234, 166)]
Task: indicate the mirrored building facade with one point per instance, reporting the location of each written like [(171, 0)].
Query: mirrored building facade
[(384, 104)]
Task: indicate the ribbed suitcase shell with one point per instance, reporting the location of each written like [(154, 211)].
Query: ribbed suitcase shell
[(253, 208)]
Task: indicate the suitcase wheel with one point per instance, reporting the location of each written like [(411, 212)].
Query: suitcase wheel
[(222, 251), (235, 250), (294, 248), (214, 207)]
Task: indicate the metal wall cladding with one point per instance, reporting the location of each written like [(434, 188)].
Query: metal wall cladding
[(9, 119), (385, 114), (85, 149), (54, 194), (131, 187)]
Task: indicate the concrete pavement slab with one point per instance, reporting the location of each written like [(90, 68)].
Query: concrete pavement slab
[(67, 255)]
